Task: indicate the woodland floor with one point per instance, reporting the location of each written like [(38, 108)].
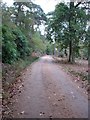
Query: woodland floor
[(78, 71)]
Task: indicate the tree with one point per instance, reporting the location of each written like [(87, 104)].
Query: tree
[(20, 37), (38, 44), (68, 26), (9, 48)]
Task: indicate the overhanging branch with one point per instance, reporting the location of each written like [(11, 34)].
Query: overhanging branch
[(77, 4)]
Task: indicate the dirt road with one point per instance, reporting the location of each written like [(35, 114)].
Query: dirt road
[(49, 92)]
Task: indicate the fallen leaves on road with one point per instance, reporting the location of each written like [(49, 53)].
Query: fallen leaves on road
[(0, 96), (49, 97), (71, 92), (55, 104), (22, 112), (54, 93), (50, 116), (42, 113), (78, 71)]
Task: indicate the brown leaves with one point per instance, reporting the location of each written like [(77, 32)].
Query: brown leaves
[(42, 113), (22, 112), (54, 93)]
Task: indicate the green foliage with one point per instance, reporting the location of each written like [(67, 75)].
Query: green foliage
[(9, 48), (38, 44), (22, 43), (27, 18), (61, 12), (49, 48), (19, 37), (67, 26), (14, 44), (87, 38)]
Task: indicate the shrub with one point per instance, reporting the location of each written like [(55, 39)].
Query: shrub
[(9, 48), (14, 44)]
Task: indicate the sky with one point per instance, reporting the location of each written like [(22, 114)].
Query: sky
[(46, 5)]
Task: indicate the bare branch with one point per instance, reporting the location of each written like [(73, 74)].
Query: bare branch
[(78, 4)]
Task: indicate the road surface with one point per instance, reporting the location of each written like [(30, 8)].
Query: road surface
[(48, 92)]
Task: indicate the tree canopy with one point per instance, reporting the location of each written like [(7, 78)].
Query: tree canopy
[(20, 33), (68, 26)]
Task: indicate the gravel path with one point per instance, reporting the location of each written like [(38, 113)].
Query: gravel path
[(48, 92)]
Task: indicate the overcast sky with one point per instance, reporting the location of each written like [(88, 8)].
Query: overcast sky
[(46, 5)]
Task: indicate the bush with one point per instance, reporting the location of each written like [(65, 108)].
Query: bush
[(9, 48), (14, 45), (22, 43)]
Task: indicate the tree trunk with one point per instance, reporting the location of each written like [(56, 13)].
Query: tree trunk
[(71, 30), (70, 51)]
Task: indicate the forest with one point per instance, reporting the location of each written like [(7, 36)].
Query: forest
[(67, 26), (22, 42), (66, 35)]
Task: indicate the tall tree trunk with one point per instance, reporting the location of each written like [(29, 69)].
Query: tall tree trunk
[(70, 51), (71, 30)]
